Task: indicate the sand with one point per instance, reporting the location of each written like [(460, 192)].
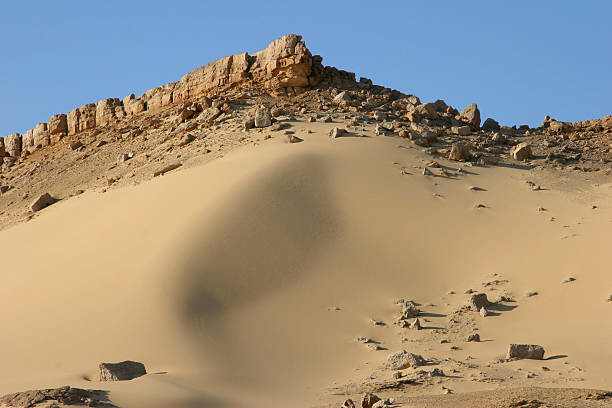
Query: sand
[(245, 281)]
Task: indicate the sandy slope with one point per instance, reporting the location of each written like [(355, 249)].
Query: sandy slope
[(222, 279)]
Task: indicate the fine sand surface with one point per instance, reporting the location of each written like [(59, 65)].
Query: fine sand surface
[(224, 279)]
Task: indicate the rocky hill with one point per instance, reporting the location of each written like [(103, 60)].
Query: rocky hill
[(215, 108)]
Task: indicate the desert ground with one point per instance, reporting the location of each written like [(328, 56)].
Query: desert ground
[(271, 268)]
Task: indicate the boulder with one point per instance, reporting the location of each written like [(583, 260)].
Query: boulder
[(336, 132), (427, 110), (521, 151), (409, 310), (478, 301), (368, 400), (41, 202), (473, 337), (343, 99), (123, 371), (499, 138), (12, 144), (490, 125), (460, 151), (471, 115), (403, 359), (348, 404), (461, 130), (529, 351), (263, 118)]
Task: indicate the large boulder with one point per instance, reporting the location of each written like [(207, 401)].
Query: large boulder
[(529, 351), (471, 115), (490, 125), (427, 110), (403, 359), (123, 371), (460, 151), (521, 151), (12, 144), (263, 118)]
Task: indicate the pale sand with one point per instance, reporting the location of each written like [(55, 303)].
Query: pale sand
[(219, 278)]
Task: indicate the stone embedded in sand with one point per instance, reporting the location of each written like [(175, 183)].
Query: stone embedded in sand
[(478, 301), (471, 114), (263, 118), (166, 169), (409, 310), (528, 351), (64, 395), (41, 202), (403, 359), (348, 404), (123, 371), (460, 151), (336, 132), (436, 372), (416, 324), (427, 172), (368, 400), (484, 312), (521, 151), (473, 337), (291, 138)]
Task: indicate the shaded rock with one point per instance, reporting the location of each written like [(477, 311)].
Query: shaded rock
[(490, 125), (166, 169), (478, 301), (460, 151), (409, 310), (416, 324), (336, 132), (42, 201), (291, 138), (427, 110), (484, 312), (436, 372), (263, 118), (75, 145), (368, 400), (473, 337), (461, 130), (343, 99), (427, 172), (12, 144), (499, 138), (123, 371), (521, 151), (348, 404), (529, 351), (249, 124), (403, 359), (471, 114)]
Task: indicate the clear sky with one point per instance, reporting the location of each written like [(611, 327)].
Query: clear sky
[(518, 60)]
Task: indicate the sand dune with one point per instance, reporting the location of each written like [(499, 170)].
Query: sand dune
[(224, 279)]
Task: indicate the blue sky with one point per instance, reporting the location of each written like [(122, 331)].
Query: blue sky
[(518, 60)]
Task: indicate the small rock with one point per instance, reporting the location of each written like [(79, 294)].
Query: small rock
[(368, 400), (123, 371), (484, 312), (75, 145), (436, 372), (521, 151), (530, 294), (528, 351), (474, 337), (480, 205), (427, 172), (293, 139), (263, 117), (443, 341), (478, 301), (166, 169), (403, 359), (249, 124), (342, 99), (336, 132), (348, 404), (570, 279), (41, 202), (416, 324), (397, 375)]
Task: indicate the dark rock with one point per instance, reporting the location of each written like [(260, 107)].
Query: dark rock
[(529, 351), (41, 202), (123, 371)]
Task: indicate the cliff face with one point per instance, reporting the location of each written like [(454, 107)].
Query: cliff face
[(285, 67)]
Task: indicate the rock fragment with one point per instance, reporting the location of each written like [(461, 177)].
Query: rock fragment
[(166, 169), (336, 132), (460, 152), (263, 117), (42, 201), (123, 371), (477, 301), (403, 359), (473, 337), (525, 351), (471, 115), (368, 400), (521, 151)]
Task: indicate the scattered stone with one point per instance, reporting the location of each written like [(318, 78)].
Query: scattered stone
[(403, 359), (521, 151), (397, 375), (484, 312), (473, 337), (336, 132), (368, 400), (436, 372), (123, 157), (409, 310), (570, 279), (378, 322), (166, 169), (427, 172), (41, 202), (123, 371), (525, 351), (326, 119), (348, 404), (416, 324), (530, 294), (249, 124), (75, 145), (459, 151), (291, 138), (478, 301), (499, 138)]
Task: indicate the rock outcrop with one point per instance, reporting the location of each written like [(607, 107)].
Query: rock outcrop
[(12, 144)]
